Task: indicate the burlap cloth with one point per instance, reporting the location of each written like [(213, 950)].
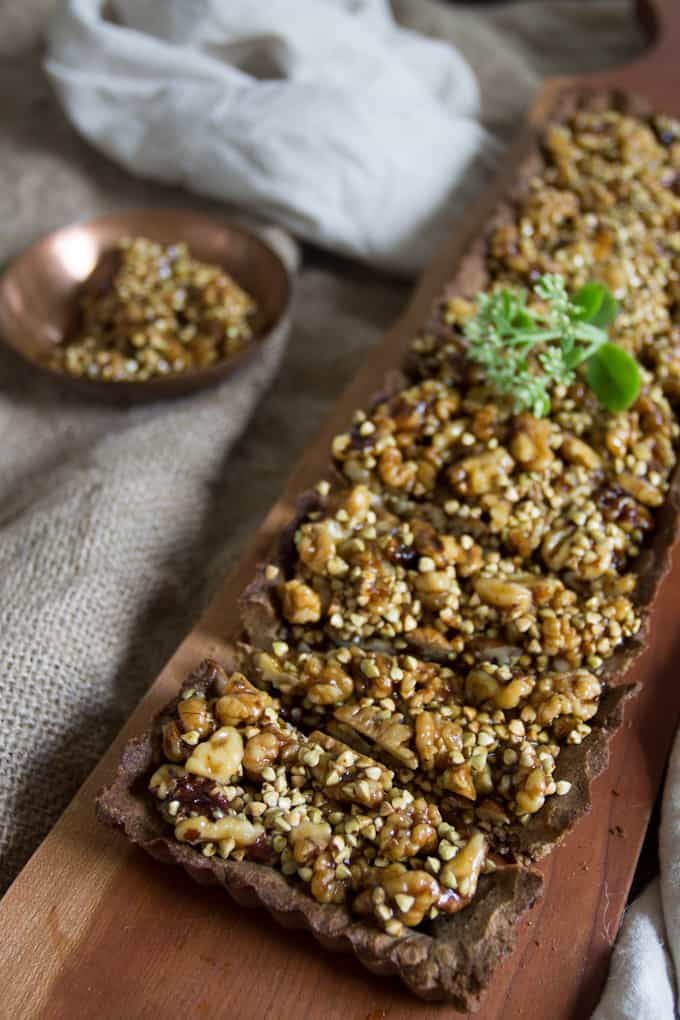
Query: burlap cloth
[(117, 525)]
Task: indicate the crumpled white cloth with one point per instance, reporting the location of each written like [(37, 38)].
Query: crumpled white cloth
[(642, 982), (322, 115)]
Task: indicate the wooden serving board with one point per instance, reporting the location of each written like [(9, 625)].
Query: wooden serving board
[(93, 929)]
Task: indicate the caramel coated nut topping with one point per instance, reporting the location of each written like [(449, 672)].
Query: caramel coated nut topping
[(161, 312), (218, 758), (463, 870), (443, 615), (240, 830), (324, 813)]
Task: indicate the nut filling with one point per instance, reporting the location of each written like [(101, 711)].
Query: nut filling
[(252, 786), (485, 742), (364, 575), (158, 311)]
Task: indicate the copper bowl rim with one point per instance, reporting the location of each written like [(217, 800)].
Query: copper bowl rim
[(174, 384)]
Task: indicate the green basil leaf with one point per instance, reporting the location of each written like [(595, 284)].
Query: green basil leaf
[(596, 304), (614, 377), (607, 311), (588, 300)]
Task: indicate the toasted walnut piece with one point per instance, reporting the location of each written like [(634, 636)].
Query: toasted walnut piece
[(574, 693), (462, 872), (531, 443), (482, 473), (260, 752), (315, 546), (195, 715), (220, 757), (482, 686), (524, 539), (358, 502), (543, 589), (485, 423), (511, 694), (300, 603), (655, 417), (395, 736), (468, 560), (498, 510), (331, 686), (429, 637), (274, 673), (531, 798), (426, 476), (566, 548), (434, 582), (325, 885), (173, 748), (395, 471), (556, 548), (458, 779), (410, 830), (428, 542), (662, 447), (506, 595), (425, 738), (641, 489), (200, 829), (309, 839), (392, 734), (242, 702), (576, 451), (436, 739), (412, 894)]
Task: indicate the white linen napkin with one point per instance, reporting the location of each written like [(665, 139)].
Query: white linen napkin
[(322, 115)]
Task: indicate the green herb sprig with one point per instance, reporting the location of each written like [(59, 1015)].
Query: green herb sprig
[(568, 332)]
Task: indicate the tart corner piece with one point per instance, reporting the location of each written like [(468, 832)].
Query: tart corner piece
[(453, 959)]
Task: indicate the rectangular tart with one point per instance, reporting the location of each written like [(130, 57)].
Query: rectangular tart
[(438, 652)]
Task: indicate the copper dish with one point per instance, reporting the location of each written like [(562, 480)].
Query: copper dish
[(38, 290)]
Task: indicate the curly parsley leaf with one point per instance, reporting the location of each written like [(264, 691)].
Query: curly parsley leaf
[(566, 332)]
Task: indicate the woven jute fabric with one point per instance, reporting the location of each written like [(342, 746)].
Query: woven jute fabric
[(118, 524)]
